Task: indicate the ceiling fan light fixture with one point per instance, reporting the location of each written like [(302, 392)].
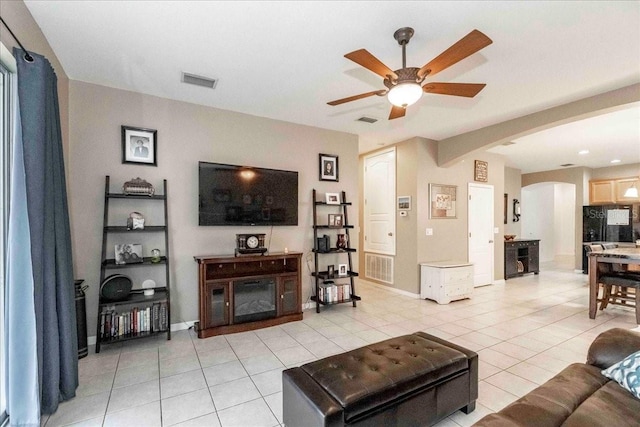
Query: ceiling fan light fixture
[(405, 94)]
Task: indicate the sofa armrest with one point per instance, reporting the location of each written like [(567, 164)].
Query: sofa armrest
[(306, 403), (612, 346)]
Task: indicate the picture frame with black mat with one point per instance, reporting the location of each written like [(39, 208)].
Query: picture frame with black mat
[(139, 146), (328, 167)]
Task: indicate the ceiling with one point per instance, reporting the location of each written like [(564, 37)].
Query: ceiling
[(284, 60)]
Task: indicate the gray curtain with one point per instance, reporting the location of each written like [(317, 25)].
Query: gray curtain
[(47, 212)]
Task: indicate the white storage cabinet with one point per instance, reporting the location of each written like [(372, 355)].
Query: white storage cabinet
[(446, 281)]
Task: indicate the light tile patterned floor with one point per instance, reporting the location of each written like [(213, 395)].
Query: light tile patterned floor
[(524, 331)]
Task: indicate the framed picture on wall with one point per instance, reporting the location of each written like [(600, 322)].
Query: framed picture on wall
[(328, 167), (506, 203), (139, 146), (404, 203), (442, 201)]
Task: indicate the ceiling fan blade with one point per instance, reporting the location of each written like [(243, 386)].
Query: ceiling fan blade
[(456, 89), (466, 46), (356, 97), (397, 112), (371, 63)]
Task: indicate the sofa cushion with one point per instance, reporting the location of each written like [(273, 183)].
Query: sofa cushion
[(609, 406), (553, 402), (626, 373), (367, 377)]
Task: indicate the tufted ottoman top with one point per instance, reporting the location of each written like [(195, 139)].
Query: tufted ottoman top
[(369, 376)]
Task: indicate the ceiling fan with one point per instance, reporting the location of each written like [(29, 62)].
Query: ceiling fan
[(403, 85)]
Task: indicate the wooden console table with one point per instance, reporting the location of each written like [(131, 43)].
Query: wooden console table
[(219, 277), (521, 256)]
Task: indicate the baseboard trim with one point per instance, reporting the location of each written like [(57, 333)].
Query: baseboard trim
[(394, 290)]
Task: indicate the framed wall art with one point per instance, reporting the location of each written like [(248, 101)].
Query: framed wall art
[(332, 198), (139, 146), (481, 171), (442, 201), (506, 203), (404, 203), (328, 167), (128, 253), (335, 220)]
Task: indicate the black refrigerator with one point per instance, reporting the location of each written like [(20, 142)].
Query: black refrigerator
[(608, 223)]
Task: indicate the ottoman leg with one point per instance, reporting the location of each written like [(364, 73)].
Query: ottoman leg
[(469, 408)]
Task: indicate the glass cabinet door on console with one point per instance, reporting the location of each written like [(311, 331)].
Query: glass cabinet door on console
[(288, 291), (218, 304)]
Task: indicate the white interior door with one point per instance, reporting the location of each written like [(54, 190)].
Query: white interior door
[(481, 237), (379, 202)]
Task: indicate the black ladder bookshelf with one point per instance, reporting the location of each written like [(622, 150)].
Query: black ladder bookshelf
[(136, 302), (333, 288)]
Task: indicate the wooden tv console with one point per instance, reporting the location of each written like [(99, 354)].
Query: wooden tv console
[(219, 276)]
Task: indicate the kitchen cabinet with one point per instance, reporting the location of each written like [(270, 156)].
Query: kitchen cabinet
[(605, 191), (602, 191), (623, 185)]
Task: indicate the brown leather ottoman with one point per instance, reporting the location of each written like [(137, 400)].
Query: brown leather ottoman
[(412, 380)]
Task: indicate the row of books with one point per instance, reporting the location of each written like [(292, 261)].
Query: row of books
[(334, 293), (117, 323)]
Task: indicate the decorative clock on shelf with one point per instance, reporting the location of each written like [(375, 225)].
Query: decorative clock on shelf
[(252, 243)]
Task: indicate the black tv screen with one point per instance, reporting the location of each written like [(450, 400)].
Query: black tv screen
[(242, 195)]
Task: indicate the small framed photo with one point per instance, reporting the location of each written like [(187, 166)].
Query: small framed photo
[(335, 220), (342, 270), (331, 271), (332, 198), (128, 253), (328, 167), (139, 146), (404, 203)]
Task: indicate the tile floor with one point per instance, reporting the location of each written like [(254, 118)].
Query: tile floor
[(524, 331)]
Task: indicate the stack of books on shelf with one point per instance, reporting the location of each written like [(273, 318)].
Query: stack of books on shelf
[(124, 322), (330, 292)]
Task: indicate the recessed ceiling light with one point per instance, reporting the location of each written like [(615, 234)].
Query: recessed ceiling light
[(616, 161), (583, 152)]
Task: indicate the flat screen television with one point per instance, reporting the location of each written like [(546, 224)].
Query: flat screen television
[(242, 195)]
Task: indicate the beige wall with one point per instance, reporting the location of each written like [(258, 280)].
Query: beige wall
[(189, 133), (615, 172), (17, 16), (416, 168)]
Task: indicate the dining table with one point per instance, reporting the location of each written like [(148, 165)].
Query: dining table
[(601, 262)]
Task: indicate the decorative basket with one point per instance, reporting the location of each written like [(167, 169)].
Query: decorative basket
[(138, 186)]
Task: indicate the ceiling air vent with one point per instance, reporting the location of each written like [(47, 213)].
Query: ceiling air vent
[(192, 79), (367, 119), (566, 165), (508, 143)]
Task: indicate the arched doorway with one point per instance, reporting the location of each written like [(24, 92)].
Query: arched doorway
[(548, 213)]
